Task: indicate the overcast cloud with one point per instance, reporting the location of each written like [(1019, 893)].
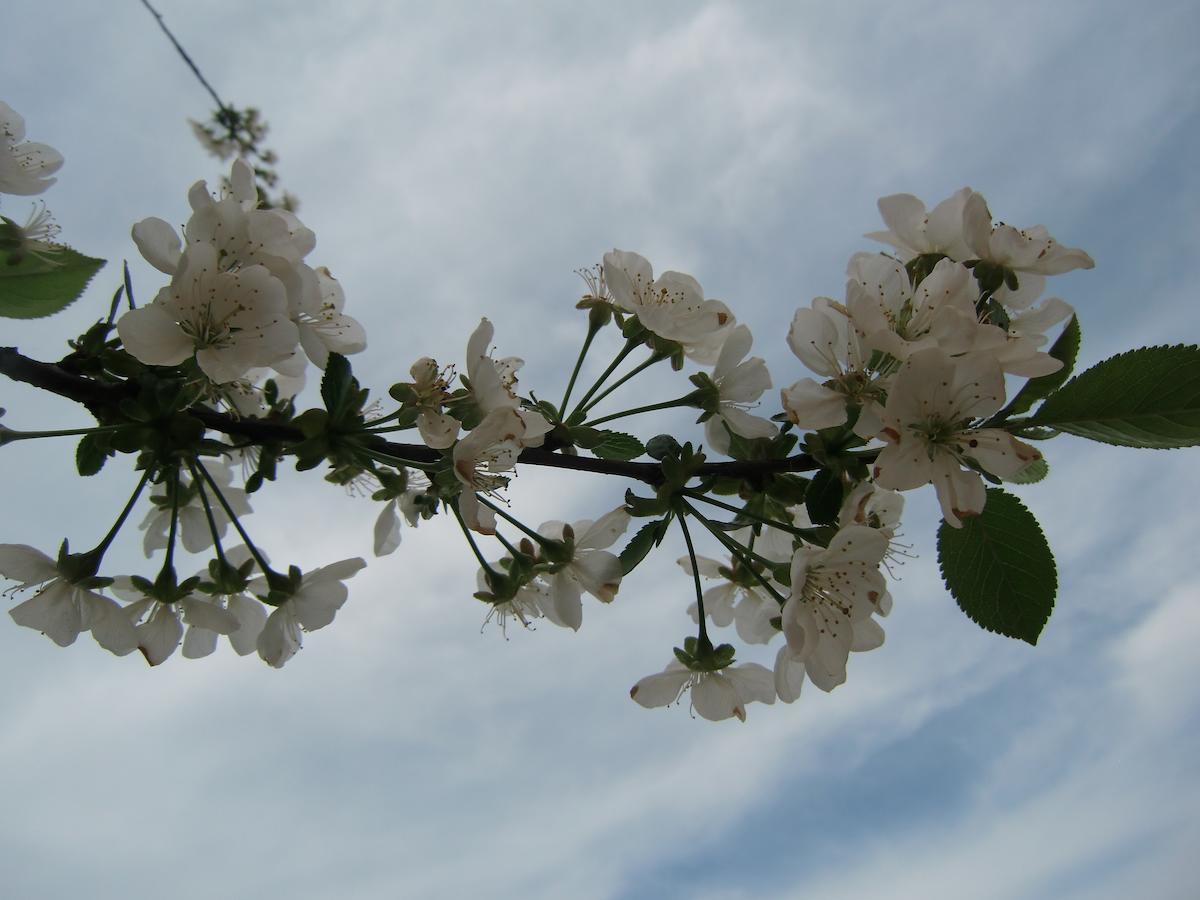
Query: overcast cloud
[(459, 160)]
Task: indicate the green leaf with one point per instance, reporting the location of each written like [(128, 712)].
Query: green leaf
[(823, 498), (34, 288), (337, 384), (90, 456), (1142, 398), (619, 446), (999, 568), (648, 537), (1065, 349), (1032, 473)]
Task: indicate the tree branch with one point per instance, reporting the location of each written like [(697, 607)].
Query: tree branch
[(94, 394)]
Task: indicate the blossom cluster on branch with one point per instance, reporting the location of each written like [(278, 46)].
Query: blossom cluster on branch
[(926, 372)]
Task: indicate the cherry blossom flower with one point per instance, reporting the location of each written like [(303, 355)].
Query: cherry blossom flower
[(673, 306), (495, 443), (244, 236), (926, 425), (829, 342), (438, 429), (1022, 250), (61, 609), (833, 594), (25, 166), (898, 319), (387, 524), (913, 231), (200, 639), (513, 596), (590, 567), (159, 625), (324, 328), (715, 695), (738, 597), (229, 321), (740, 382), (314, 604)]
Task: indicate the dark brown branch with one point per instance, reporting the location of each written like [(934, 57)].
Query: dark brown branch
[(93, 394)]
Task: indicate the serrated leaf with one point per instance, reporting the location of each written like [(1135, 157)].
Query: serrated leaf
[(999, 568), (1032, 473), (1142, 398), (34, 288), (585, 437), (337, 385), (90, 456), (648, 536), (1065, 349), (619, 446)]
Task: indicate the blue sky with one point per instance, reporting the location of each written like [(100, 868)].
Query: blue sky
[(461, 160)]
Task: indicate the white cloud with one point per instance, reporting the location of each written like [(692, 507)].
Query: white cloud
[(488, 152)]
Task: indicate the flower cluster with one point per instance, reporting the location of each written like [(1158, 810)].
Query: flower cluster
[(67, 602), (912, 367), (917, 354), (241, 297), (912, 372)]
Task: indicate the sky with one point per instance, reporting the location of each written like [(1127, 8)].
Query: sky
[(462, 160)]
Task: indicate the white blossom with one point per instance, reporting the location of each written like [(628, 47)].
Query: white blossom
[(830, 343), (324, 328), (591, 567), (926, 425), (834, 592), (229, 321), (714, 695), (673, 306), (899, 319), (314, 604), (25, 166), (740, 382), (159, 625), (1020, 249), (913, 231), (61, 609)]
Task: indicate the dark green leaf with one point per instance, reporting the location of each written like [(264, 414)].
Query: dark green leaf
[(1143, 398), (619, 446), (1065, 349), (823, 498), (90, 455), (337, 385), (649, 536), (34, 288), (999, 568), (585, 436)]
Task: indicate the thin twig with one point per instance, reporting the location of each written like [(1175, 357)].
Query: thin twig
[(184, 54)]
